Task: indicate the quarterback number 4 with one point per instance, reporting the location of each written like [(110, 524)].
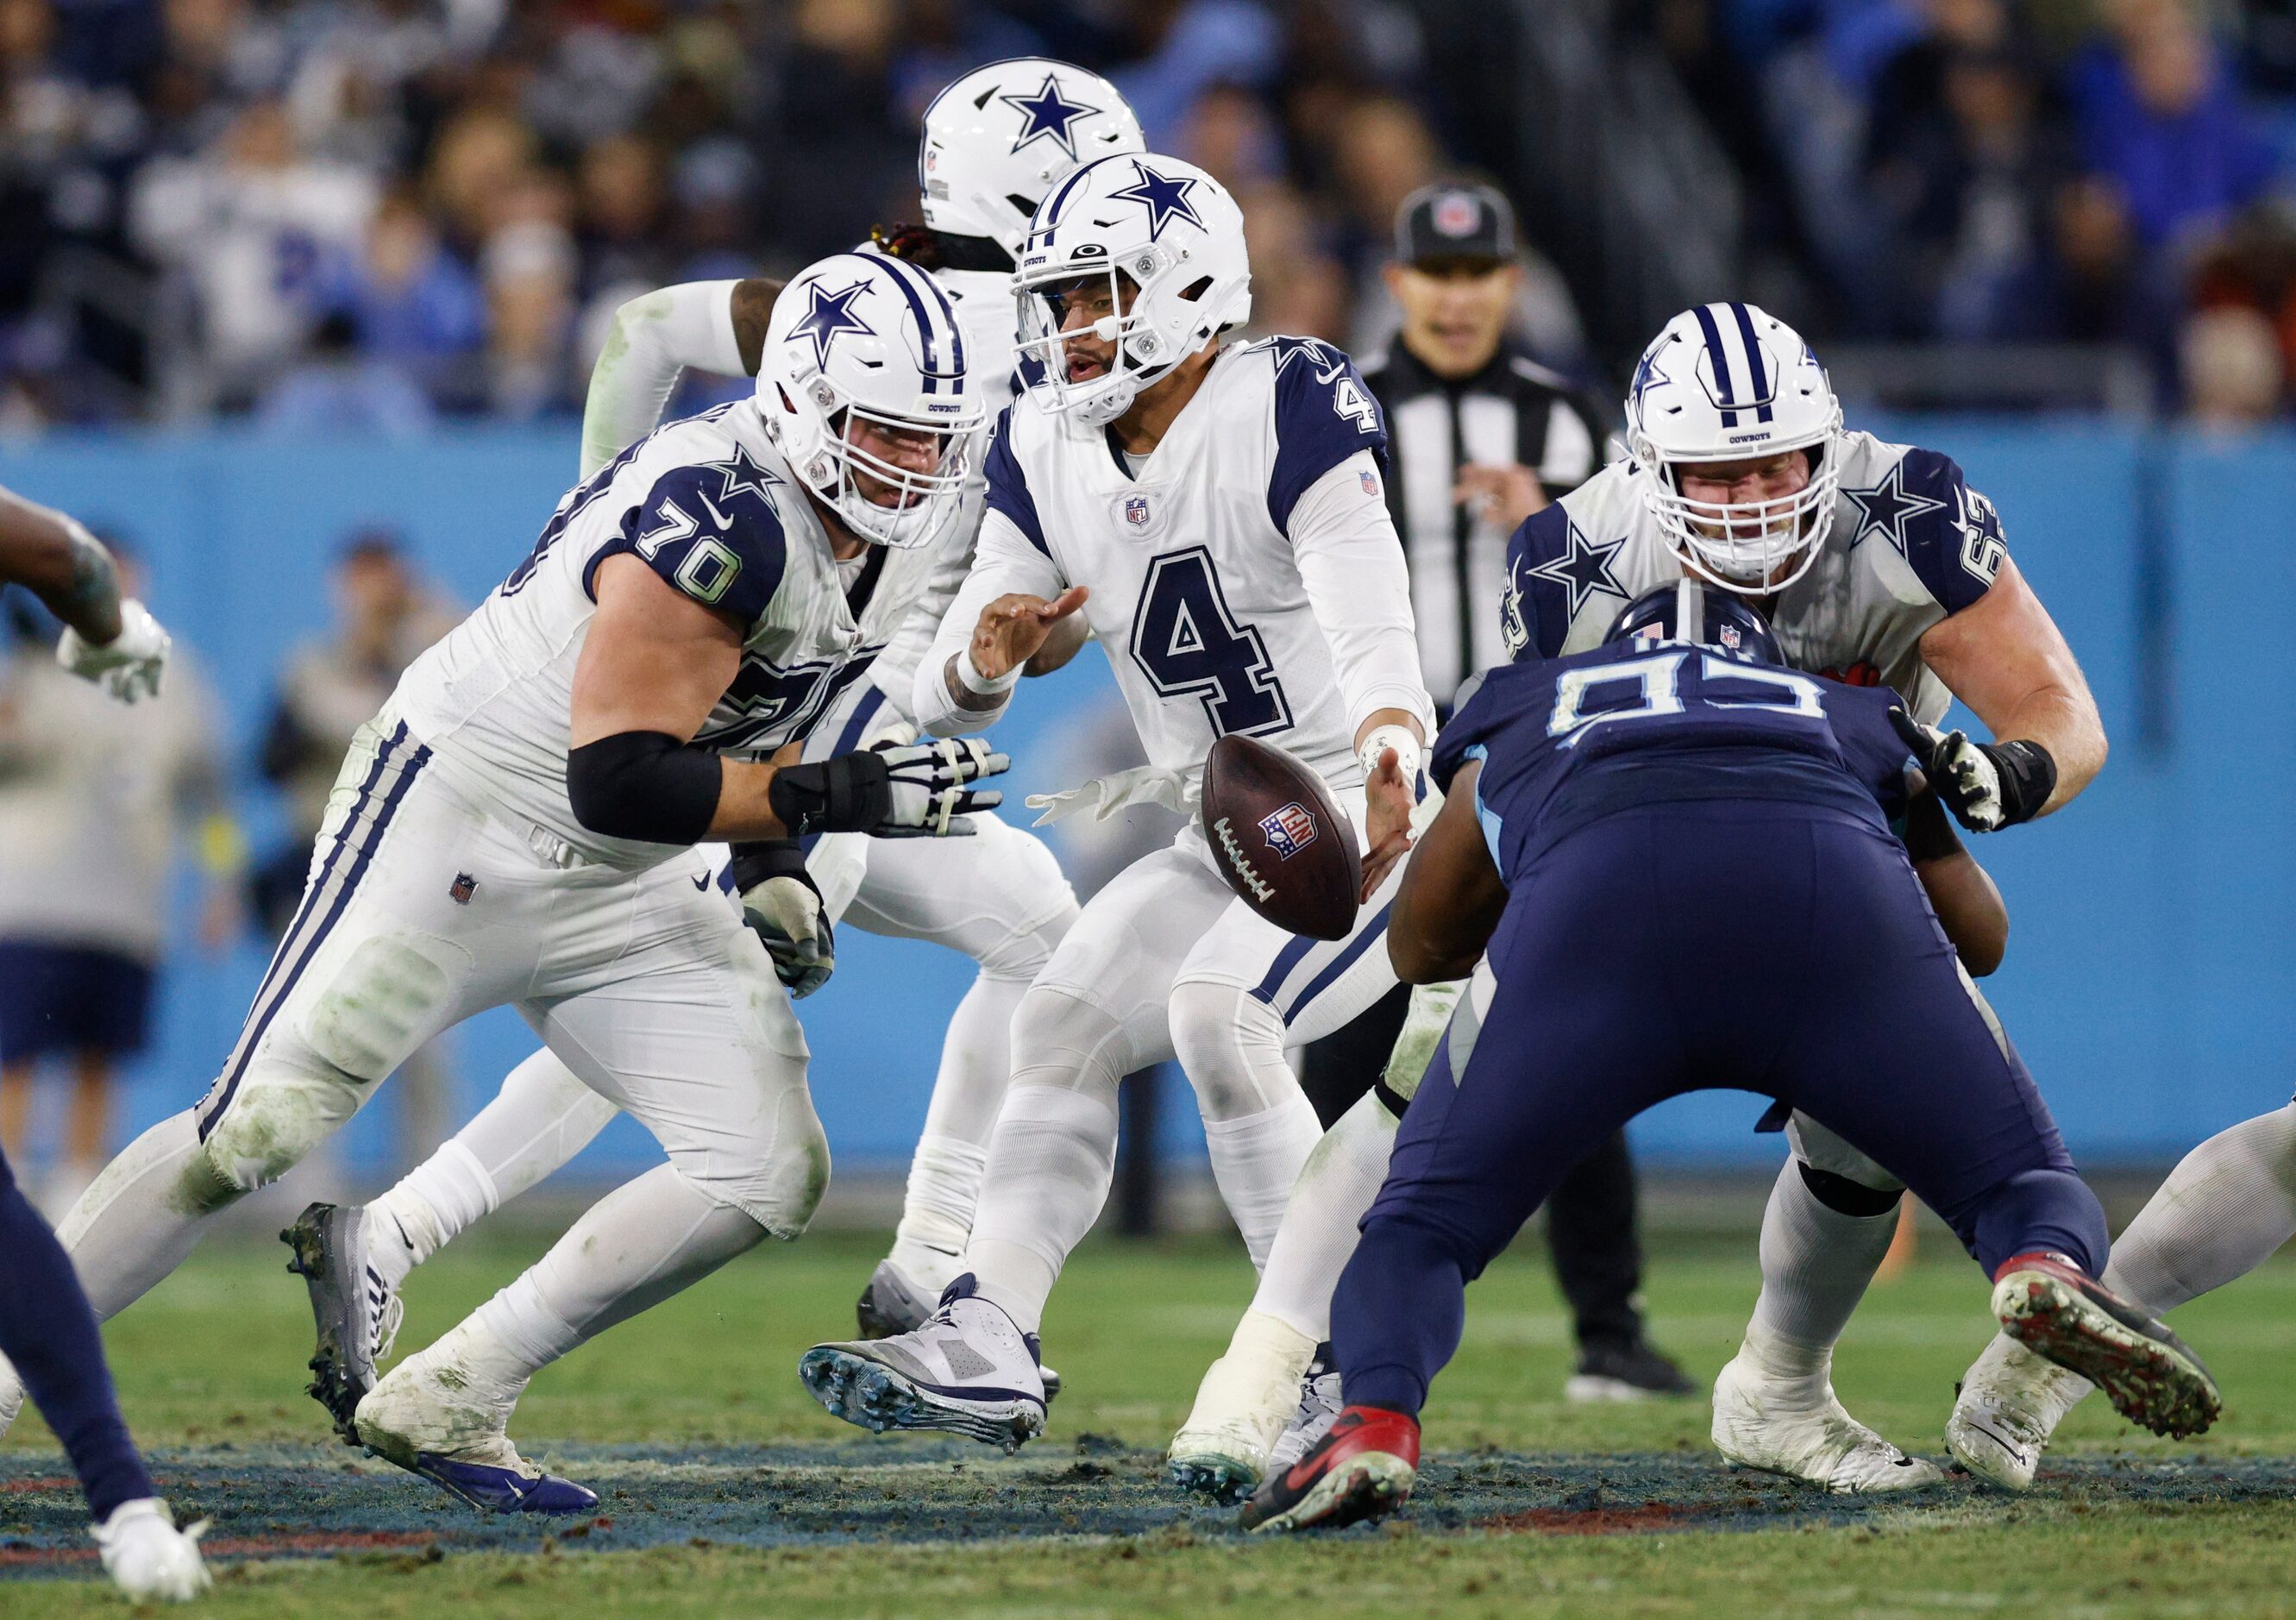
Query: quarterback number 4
[(1351, 402), (1190, 646)]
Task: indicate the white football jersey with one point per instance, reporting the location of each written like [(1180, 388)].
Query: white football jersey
[(712, 507), (1912, 542), (1196, 596)]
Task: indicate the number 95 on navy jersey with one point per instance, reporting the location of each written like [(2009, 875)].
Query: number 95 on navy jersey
[(1567, 740)]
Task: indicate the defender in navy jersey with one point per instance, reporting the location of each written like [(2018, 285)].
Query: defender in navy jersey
[(1678, 857)]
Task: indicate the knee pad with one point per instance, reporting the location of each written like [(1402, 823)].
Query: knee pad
[(382, 1003), (1845, 1197), (779, 1184), (289, 1101), (1059, 1039), (1227, 1040)]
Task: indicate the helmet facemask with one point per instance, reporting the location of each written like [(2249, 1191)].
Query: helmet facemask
[(1142, 354), (1754, 548), (880, 500)]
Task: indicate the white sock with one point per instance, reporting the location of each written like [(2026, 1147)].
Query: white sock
[(1344, 1174), (141, 1216), (542, 1116), (2225, 1210), (1050, 1166), (642, 1243), (1816, 1264), (1256, 1162), (937, 1213)]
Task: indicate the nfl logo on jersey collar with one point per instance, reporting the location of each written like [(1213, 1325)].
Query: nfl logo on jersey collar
[(1140, 514)]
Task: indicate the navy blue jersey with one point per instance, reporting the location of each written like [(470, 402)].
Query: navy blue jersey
[(1567, 740)]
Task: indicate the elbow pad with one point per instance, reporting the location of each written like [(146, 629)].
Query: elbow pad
[(645, 785)]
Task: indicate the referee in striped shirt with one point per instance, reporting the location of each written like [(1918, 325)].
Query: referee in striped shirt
[(1480, 437)]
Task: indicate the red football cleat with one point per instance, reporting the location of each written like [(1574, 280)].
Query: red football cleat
[(2060, 1312), (1363, 1468)]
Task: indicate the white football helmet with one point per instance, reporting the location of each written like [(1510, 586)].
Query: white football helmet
[(1729, 383), (1000, 138), (1166, 227), (861, 338)]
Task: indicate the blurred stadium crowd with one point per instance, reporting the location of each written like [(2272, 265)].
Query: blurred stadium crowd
[(361, 215)]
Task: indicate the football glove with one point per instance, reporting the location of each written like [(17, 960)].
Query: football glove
[(785, 911), (129, 665), (918, 790), (1987, 785)]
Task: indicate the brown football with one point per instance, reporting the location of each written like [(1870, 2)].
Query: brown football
[(1281, 842)]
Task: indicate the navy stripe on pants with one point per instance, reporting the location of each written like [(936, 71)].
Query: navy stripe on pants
[(1779, 949), (48, 1331)]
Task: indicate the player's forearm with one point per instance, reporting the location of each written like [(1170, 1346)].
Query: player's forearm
[(653, 339), (2067, 723), (57, 560), (1351, 563)]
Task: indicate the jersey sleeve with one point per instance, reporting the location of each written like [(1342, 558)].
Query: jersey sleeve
[(1008, 489), (709, 536), (1535, 614), (1952, 533), (1324, 413)]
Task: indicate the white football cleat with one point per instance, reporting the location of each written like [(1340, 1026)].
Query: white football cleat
[(894, 1303), (438, 1416), (2010, 1401), (1319, 1408), (969, 1370), (147, 1557), (1795, 1427), (1246, 1400)]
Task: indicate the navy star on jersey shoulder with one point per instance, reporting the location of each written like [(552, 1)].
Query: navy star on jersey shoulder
[(711, 529), (1554, 568), (1324, 413), (1921, 508)]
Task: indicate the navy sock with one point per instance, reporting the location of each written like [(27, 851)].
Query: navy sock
[(48, 1331), (1397, 1316), (2041, 1211)]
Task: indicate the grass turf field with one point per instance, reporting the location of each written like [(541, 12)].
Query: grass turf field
[(725, 1490)]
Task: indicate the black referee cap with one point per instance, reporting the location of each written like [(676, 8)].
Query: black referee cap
[(1452, 222)]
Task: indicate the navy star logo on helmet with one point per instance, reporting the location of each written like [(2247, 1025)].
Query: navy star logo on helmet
[(1889, 507), (1048, 112), (1647, 375), (829, 314), (1165, 197), (1584, 569)]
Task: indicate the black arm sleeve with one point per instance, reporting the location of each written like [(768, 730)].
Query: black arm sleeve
[(644, 785)]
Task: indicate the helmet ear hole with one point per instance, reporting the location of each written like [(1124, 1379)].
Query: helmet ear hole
[(788, 404), (1026, 205), (1195, 289)]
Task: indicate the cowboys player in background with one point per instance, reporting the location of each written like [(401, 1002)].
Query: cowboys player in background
[(1215, 510), (1875, 564), (994, 140), (517, 825)]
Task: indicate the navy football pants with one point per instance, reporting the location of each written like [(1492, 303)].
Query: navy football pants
[(48, 1331), (1776, 947)]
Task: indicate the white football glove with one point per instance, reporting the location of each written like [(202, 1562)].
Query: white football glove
[(128, 664), (147, 1556), (1987, 785), (784, 910)]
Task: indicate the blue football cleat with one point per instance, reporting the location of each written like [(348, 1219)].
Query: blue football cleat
[(492, 1489)]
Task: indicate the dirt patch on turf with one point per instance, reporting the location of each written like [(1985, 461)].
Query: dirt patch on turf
[(296, 1501)]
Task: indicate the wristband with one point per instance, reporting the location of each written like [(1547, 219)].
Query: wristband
[(2029, 776), (1408, 753), (973, 680)]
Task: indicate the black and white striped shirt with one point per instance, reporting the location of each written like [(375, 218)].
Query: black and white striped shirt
[(1512, 410)]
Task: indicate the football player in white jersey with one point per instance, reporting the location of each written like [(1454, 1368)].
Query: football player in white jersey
[(995, 142), (1875, 564), (518, 825), (1214, 510)]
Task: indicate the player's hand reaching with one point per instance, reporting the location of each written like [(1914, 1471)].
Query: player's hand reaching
[(1503, 496), (919, 789), (129, 665), (784, 910), (1987, 785), (1012, 627), (1389, 799)]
